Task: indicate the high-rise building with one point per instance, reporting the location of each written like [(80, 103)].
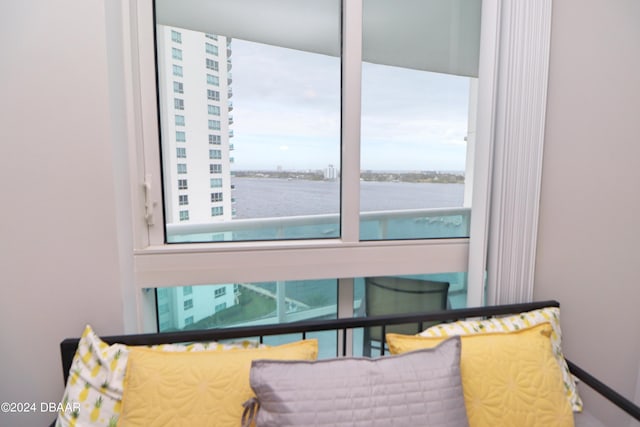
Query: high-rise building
[(194, 83), (194, 80)]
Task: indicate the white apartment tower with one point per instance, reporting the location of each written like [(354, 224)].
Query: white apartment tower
[(195, 81)]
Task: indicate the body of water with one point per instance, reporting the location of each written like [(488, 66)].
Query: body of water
[(272, 197)]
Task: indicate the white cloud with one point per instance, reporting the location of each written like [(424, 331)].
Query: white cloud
[(287, 109)]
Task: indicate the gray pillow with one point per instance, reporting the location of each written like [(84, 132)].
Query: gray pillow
[(419, 388)]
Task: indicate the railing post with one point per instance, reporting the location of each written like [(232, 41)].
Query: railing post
[(281, 303)]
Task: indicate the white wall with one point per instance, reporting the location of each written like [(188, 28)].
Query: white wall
[(588, 256), (58, 245)]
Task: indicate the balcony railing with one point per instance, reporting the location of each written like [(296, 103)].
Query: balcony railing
[(398, 224)]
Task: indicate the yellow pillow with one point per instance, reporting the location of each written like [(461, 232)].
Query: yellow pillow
[(93, 394), (508, 379), (514, 323), (195, 389)]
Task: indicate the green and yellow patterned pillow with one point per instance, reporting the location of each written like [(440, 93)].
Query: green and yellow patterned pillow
[(515, 323), (93, 394)]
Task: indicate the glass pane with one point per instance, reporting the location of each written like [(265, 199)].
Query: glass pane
[(419, 66), (375, 296), (245, 304), (260, 101)]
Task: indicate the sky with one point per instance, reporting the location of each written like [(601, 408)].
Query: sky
[(287, 113)]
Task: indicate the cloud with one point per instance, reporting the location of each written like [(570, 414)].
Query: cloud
[(289, 101)]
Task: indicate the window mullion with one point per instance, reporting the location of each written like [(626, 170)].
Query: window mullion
[(351, 91)]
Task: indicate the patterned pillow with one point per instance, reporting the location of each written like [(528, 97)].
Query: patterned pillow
[(508, 378), (93, 394), (515, 323)]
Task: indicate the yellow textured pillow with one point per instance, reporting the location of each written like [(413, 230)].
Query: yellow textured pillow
[(195, 389), (93, 395), (508, 379), (514, 323)]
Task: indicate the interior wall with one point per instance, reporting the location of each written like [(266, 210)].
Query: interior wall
[(58, 243), (589, 230)]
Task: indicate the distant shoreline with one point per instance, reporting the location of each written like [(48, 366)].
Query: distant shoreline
[(432, 177)]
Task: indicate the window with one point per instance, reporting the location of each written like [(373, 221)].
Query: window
[(214, 124), (188, 304), (177, 71), (216, 197), (181, 136), (182, 184), (220, 292), (188, 320), (213, 80), (213, 95), (217, 211), (187, 290), (176, 36), (211, 64), (178, 104), (176, 53), (163, 308), (216, 182), (211, 36), (211, 49), (278, 149), (183, 199), (215, 154), (179, 120), (181, 152), (184, 215), (214, 110), (178, 87), (182, 168)]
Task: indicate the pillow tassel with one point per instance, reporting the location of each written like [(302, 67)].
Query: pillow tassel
[(250, 411)]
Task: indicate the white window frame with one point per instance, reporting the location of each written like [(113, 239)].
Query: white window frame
[(156, 264)]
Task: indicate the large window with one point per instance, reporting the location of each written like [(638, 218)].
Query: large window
[(349, 154), (416, 100)]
